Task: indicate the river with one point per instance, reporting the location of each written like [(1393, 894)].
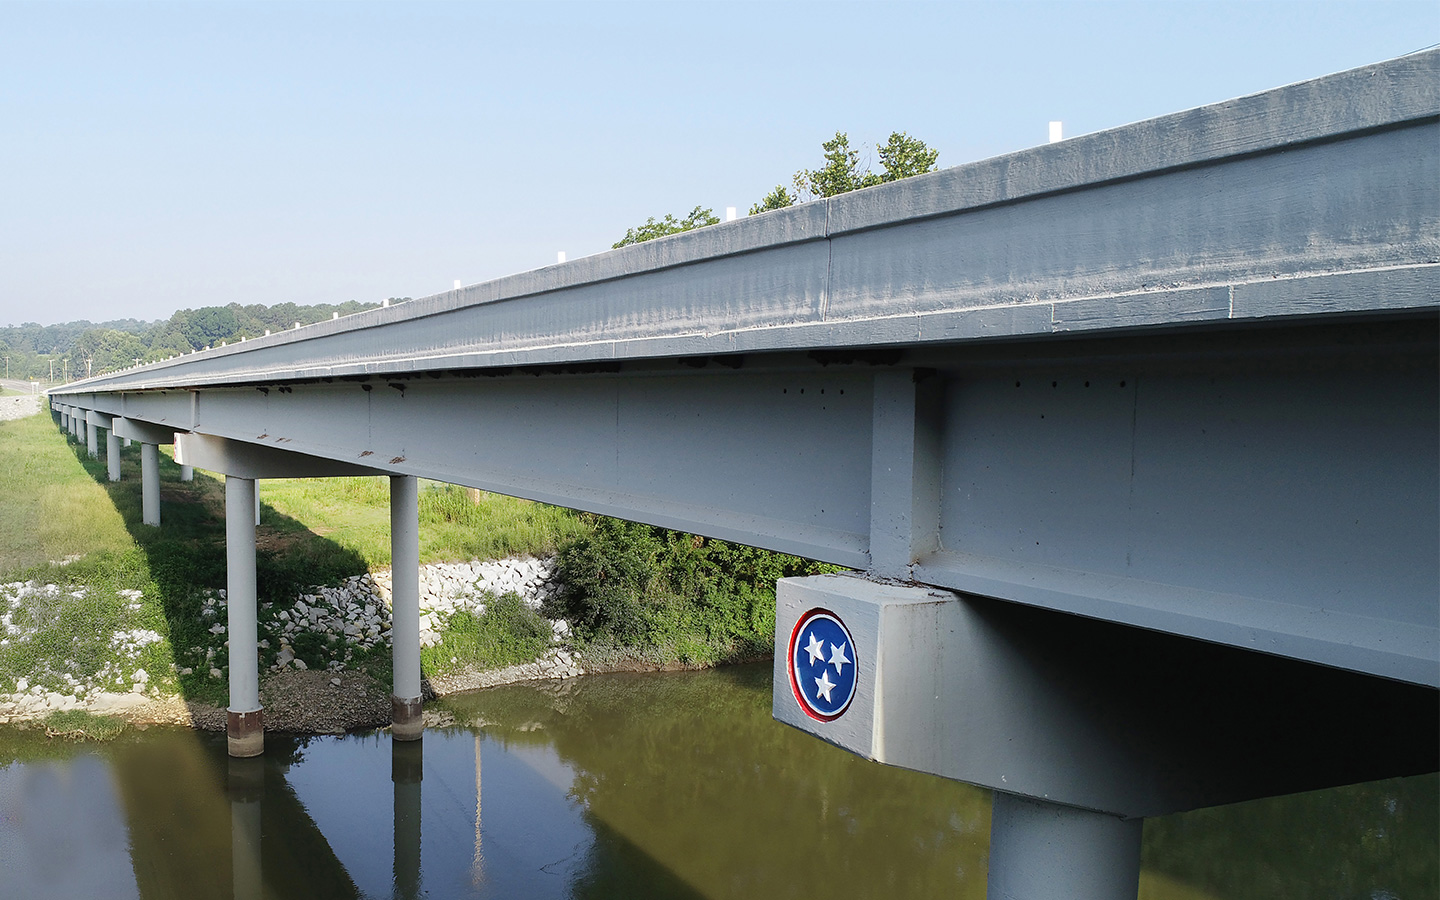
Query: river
[(661, 785)]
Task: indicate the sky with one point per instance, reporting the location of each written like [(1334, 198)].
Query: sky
[(159, 156)]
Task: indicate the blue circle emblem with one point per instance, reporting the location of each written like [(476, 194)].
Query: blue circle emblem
[(822, 665)]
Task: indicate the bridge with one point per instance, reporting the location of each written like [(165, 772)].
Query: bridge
[(1133, 441)]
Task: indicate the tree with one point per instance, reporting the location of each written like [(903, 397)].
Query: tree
[(776, 199), (841, 173), (652, 229), (902, 156)]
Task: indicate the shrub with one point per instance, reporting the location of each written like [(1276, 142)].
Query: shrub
[(697, 599)]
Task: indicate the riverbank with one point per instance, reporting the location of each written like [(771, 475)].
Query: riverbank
[(310, 702), (351, 620), (354, 618)]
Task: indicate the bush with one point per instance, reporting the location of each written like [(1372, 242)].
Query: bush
[(698, 600)]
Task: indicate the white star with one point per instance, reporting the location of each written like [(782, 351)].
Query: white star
[(816, 648), (838, 658), (823, 686)]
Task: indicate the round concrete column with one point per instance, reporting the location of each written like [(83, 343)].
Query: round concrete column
[(187, 473), (1045, 851), (406, 721), (112, 454), (150, 484), (92, 439), (245, 726)]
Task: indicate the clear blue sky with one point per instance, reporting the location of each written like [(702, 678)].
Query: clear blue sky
[(159, 156)]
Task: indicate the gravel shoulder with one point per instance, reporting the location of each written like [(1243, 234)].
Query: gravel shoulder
[(19, 407)]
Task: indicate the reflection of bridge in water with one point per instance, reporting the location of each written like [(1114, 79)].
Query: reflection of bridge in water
[(1149, 400)]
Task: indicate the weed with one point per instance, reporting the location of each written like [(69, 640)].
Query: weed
[(507, 633), (78, 724)]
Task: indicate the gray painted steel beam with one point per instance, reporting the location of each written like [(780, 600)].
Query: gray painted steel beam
[(145, 432), (241, 460), (905, 470), (1282, 505)]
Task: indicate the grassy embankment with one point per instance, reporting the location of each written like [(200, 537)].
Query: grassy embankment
[(63, 523)]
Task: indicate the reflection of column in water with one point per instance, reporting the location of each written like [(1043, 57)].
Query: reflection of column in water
[(245, 785), (477, 866), (406, 767)]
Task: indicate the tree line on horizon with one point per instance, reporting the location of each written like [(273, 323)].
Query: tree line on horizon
[(72, 350)]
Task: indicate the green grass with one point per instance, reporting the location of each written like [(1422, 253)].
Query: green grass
[(455, 524), (78, 724), (507, 633), (51, 507)]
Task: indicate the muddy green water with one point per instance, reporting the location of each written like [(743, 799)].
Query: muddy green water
[(675, 785)]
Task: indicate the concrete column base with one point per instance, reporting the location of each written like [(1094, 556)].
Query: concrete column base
[(245, 732), (407, 723)]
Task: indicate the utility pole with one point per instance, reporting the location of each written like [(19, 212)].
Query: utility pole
[(7, 368), (52, 372)]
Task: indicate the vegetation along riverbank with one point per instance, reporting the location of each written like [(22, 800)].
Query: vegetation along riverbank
[(103, 616)]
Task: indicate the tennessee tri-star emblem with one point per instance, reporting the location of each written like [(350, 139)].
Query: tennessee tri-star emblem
[(822, 665)]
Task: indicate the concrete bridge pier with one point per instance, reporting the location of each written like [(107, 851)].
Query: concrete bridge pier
[(112, 454), (1046, 851), (150, 484), (187, 473), (150, 436), (245, 722), (1081, 728), (243, 465), (92, 436), (406, 721)]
